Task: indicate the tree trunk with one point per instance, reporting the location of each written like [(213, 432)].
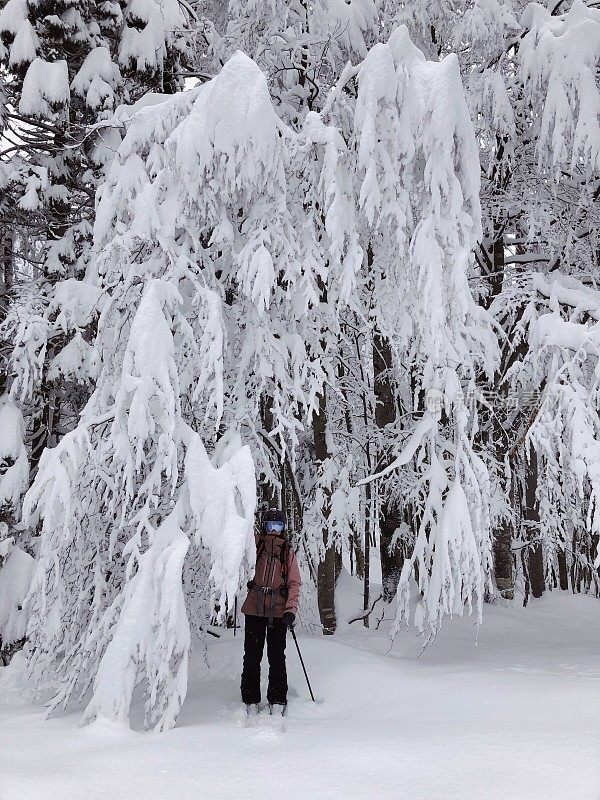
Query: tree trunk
[(535, 557), (563, 575), (392, 559), (329, 568), (502, 536), (6, 285), (503, 560), (367, 567), (357, 556)]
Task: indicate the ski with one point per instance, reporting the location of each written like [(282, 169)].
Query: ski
[(278, 714), (278, 709)]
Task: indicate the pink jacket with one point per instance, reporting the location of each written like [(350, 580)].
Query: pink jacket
[(264, 596)]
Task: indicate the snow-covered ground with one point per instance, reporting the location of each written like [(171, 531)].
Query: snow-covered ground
[(515, 718)]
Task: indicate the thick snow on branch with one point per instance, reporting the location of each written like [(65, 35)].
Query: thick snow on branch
[(346, 25), (565, 433), (227, 246), (229, 143), (223, 501), (14, 464), (151, 635), (231, 130), (567, 297), (45, 88), (457, 552), (147, 401), (74, 304), (559, 59), (132, 457), (408, 451), (150, 27), (554, 331), (419, 169), (97, 79), (568, 291), (13, 20), (16, 572), (77, 362)]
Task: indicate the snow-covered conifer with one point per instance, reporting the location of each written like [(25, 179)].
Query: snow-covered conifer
[(16, 565), (14, 465)]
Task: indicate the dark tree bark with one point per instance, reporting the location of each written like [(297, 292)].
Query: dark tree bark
[(392, 559), (367, 567), (535, 556), (357, 556), (502, 541), (493, 266), (330, 567), (563, 575), (502, 536), (503, 560), (6, 285)]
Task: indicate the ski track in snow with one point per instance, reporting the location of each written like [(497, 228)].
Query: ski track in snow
[(515, 717)]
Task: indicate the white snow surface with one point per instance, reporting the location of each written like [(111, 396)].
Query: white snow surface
[(516, 716)]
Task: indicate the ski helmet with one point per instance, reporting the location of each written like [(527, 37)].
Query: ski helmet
[(273, 521)]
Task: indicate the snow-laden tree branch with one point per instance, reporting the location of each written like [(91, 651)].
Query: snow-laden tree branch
[(217, 231)]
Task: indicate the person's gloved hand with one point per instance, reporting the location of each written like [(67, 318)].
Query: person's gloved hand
[(288, 619)]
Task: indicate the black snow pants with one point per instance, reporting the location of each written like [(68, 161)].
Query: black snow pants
[(254, 643)]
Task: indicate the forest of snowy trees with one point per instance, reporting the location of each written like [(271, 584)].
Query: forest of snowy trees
[(338, 255)]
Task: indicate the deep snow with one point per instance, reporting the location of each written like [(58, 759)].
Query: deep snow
[(515, 717)]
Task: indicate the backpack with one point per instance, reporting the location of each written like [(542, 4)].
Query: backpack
[(283, 559)]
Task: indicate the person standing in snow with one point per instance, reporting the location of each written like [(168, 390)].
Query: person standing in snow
[(270, 609)]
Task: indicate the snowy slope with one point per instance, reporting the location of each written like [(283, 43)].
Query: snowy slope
[(518, 716)]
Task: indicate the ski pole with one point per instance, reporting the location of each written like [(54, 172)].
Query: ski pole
[(235, 615), (302, 662)]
